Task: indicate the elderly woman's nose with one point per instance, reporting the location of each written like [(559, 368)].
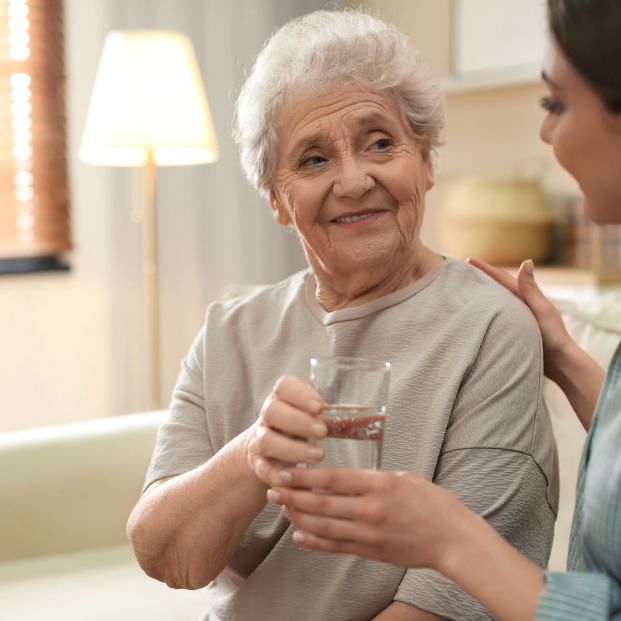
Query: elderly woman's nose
[(352, 180)]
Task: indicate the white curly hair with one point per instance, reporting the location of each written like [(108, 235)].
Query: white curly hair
[(316, 53)]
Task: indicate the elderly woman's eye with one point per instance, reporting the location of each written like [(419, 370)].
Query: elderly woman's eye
[(313, 160), (382, 144)]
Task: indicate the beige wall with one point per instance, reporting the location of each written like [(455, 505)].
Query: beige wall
[(490, 131), (427, 22), (71, 344), (54, 334)]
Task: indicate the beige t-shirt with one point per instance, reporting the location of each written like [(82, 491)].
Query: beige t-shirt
[(465, 410)]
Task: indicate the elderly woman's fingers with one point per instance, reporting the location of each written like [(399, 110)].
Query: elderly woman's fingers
[(274, 445), (298, 393), (285, 418), (500, 276), (265, 469)]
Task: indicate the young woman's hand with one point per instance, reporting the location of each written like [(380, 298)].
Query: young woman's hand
[(396, 517), (555, 338)]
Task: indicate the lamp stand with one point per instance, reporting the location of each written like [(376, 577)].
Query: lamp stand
[(151, 289)]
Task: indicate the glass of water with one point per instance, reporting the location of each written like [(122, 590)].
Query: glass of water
[(354, 392)]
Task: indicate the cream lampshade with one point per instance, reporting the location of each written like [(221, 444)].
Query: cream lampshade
[(148, 108), (148, 98)]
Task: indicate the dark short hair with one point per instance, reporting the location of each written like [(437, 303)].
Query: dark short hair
[(589, 33)]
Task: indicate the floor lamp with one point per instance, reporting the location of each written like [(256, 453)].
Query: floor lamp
[(148, 108)]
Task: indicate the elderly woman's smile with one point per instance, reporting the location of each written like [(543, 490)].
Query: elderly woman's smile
[(354, 218), (351, 178)]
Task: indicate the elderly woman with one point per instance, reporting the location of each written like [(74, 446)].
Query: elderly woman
[(337, 125)]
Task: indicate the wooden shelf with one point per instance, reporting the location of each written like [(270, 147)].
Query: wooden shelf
[(560, 275)]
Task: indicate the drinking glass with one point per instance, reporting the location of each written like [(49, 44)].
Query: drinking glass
[(354, 392)]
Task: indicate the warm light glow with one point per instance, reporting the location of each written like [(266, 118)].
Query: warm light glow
[(21, 108), (22, 151), (25, 221), (23, 178), (19, 38), (21, 122), (18, 8), (148, 98), (18, 23), (23, 191), (20, 95), (24, 194), (22, 136), (20, 80), (25, 236)]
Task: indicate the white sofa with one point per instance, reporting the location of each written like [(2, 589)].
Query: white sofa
[(65, 494)]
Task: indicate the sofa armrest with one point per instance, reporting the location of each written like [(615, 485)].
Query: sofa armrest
[(71, 487)]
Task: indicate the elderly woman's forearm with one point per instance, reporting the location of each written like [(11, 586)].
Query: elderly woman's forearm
[(185, 531)]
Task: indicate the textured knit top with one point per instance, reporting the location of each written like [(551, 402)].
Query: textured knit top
[(591, 589), (465, 409)]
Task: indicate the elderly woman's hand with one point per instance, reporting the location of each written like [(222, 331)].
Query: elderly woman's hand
[(396, 517), (285, 430)]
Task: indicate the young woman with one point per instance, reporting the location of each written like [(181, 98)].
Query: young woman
[(404, 519)]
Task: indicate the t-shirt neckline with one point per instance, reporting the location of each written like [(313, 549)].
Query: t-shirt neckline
[(364, 310)]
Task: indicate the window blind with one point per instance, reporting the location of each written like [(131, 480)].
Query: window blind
[(34, 193)]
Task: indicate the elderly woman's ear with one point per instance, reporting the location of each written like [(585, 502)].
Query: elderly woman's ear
[(281, 215), (427, 155)]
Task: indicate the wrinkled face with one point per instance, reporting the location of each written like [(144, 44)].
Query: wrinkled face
[(585, 136), (351, 178)]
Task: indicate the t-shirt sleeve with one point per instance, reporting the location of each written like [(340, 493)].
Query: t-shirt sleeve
[(183, 440), (498, 457), (579, 596), (508, 489)]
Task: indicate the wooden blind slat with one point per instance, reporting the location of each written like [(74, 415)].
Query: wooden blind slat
[(38, 226)]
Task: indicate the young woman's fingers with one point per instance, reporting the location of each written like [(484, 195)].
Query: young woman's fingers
[(347, 481), (530, 291), (316, 503), (500, 276), (333, 529), (312, 542)]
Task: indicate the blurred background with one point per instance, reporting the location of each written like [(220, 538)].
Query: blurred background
[(73, 342)]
